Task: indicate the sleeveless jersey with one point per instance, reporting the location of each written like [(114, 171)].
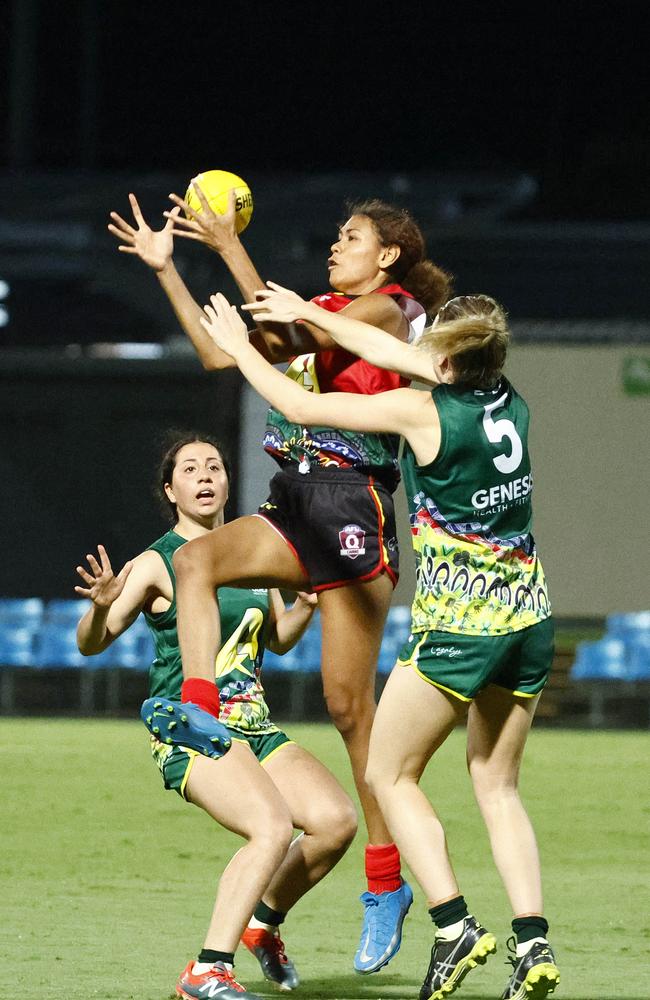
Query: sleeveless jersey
[(477, 570), (339, 371), (244, 620)]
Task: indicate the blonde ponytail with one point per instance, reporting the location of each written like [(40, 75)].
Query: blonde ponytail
[(472, 332)]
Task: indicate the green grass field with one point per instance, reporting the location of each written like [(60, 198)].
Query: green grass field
[(108, 880)]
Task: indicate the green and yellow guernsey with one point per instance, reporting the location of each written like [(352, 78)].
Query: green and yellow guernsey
[(477, 569), (244, 622)]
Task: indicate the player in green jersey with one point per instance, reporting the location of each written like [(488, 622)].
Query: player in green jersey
[(265, 785), (481, 643)]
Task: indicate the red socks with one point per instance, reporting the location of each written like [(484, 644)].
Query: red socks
[(383, 868), (203, 693)]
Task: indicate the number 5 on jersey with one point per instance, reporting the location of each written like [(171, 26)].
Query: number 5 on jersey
[(496, 431)]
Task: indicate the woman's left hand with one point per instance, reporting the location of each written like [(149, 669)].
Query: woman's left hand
[(224, 325)]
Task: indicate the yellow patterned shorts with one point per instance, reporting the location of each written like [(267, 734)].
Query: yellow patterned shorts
[(175, 762)]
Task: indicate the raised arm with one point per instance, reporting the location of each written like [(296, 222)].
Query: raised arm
[(277, 341), (155, 248), (370, 342), (116, 601), (410, 412)]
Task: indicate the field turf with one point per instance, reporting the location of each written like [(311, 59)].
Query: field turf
[(108, 880)]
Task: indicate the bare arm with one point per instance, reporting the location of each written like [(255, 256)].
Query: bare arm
[(116, 600), (371, 342), (276, 341), (410, 412), (155, 248), (289, 624)]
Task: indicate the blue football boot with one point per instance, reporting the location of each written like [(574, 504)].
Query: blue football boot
[(381, 935), (185, 725)]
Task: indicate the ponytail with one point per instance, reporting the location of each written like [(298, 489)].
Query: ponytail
[(428, 284)]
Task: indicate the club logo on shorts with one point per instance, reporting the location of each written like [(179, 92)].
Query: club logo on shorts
[(352, 539)]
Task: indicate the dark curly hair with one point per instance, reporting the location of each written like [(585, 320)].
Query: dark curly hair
[(427, 283)]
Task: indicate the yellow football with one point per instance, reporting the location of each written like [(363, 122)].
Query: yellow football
[(215, 185)]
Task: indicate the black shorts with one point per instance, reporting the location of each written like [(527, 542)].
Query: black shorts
[(340, 524)]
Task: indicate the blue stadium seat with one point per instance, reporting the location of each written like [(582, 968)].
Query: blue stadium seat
[(628, 624), (17, 644), (638, 657), (134, 649), (126, 651), (274, 662), (57, 647), (308, 650), (399, 617), (306, 654), (63, 609), (21, 610), (601, 660), (396, 633)]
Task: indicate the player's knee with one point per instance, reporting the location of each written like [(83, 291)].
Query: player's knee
[(376, 779), (349, 712), (273, 834), (341, 826), (491, 784), (332, 822)]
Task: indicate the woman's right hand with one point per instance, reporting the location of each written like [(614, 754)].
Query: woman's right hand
[(153, 246), (102, 586), (276, 304)]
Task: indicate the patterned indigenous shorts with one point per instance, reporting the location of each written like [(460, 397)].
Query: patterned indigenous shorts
[(463, 665)]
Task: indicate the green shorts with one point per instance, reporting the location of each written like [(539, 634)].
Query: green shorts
[(175, 762), (463, 665)]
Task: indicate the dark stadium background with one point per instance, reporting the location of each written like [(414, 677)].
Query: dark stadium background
[(518, 134), (560, 90)]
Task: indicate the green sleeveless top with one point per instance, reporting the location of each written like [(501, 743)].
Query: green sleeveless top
[(244, 621), (477, 570)]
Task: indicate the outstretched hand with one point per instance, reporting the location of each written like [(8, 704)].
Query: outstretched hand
[(102, 586), (224, 325), (277, 305), (215, 229), (154, 247)]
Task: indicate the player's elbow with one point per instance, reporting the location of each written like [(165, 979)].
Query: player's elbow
[(298, 411), (90, 649), (275, 645), (217, 364)]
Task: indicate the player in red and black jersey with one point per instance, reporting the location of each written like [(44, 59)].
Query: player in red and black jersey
[(328, 524)]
